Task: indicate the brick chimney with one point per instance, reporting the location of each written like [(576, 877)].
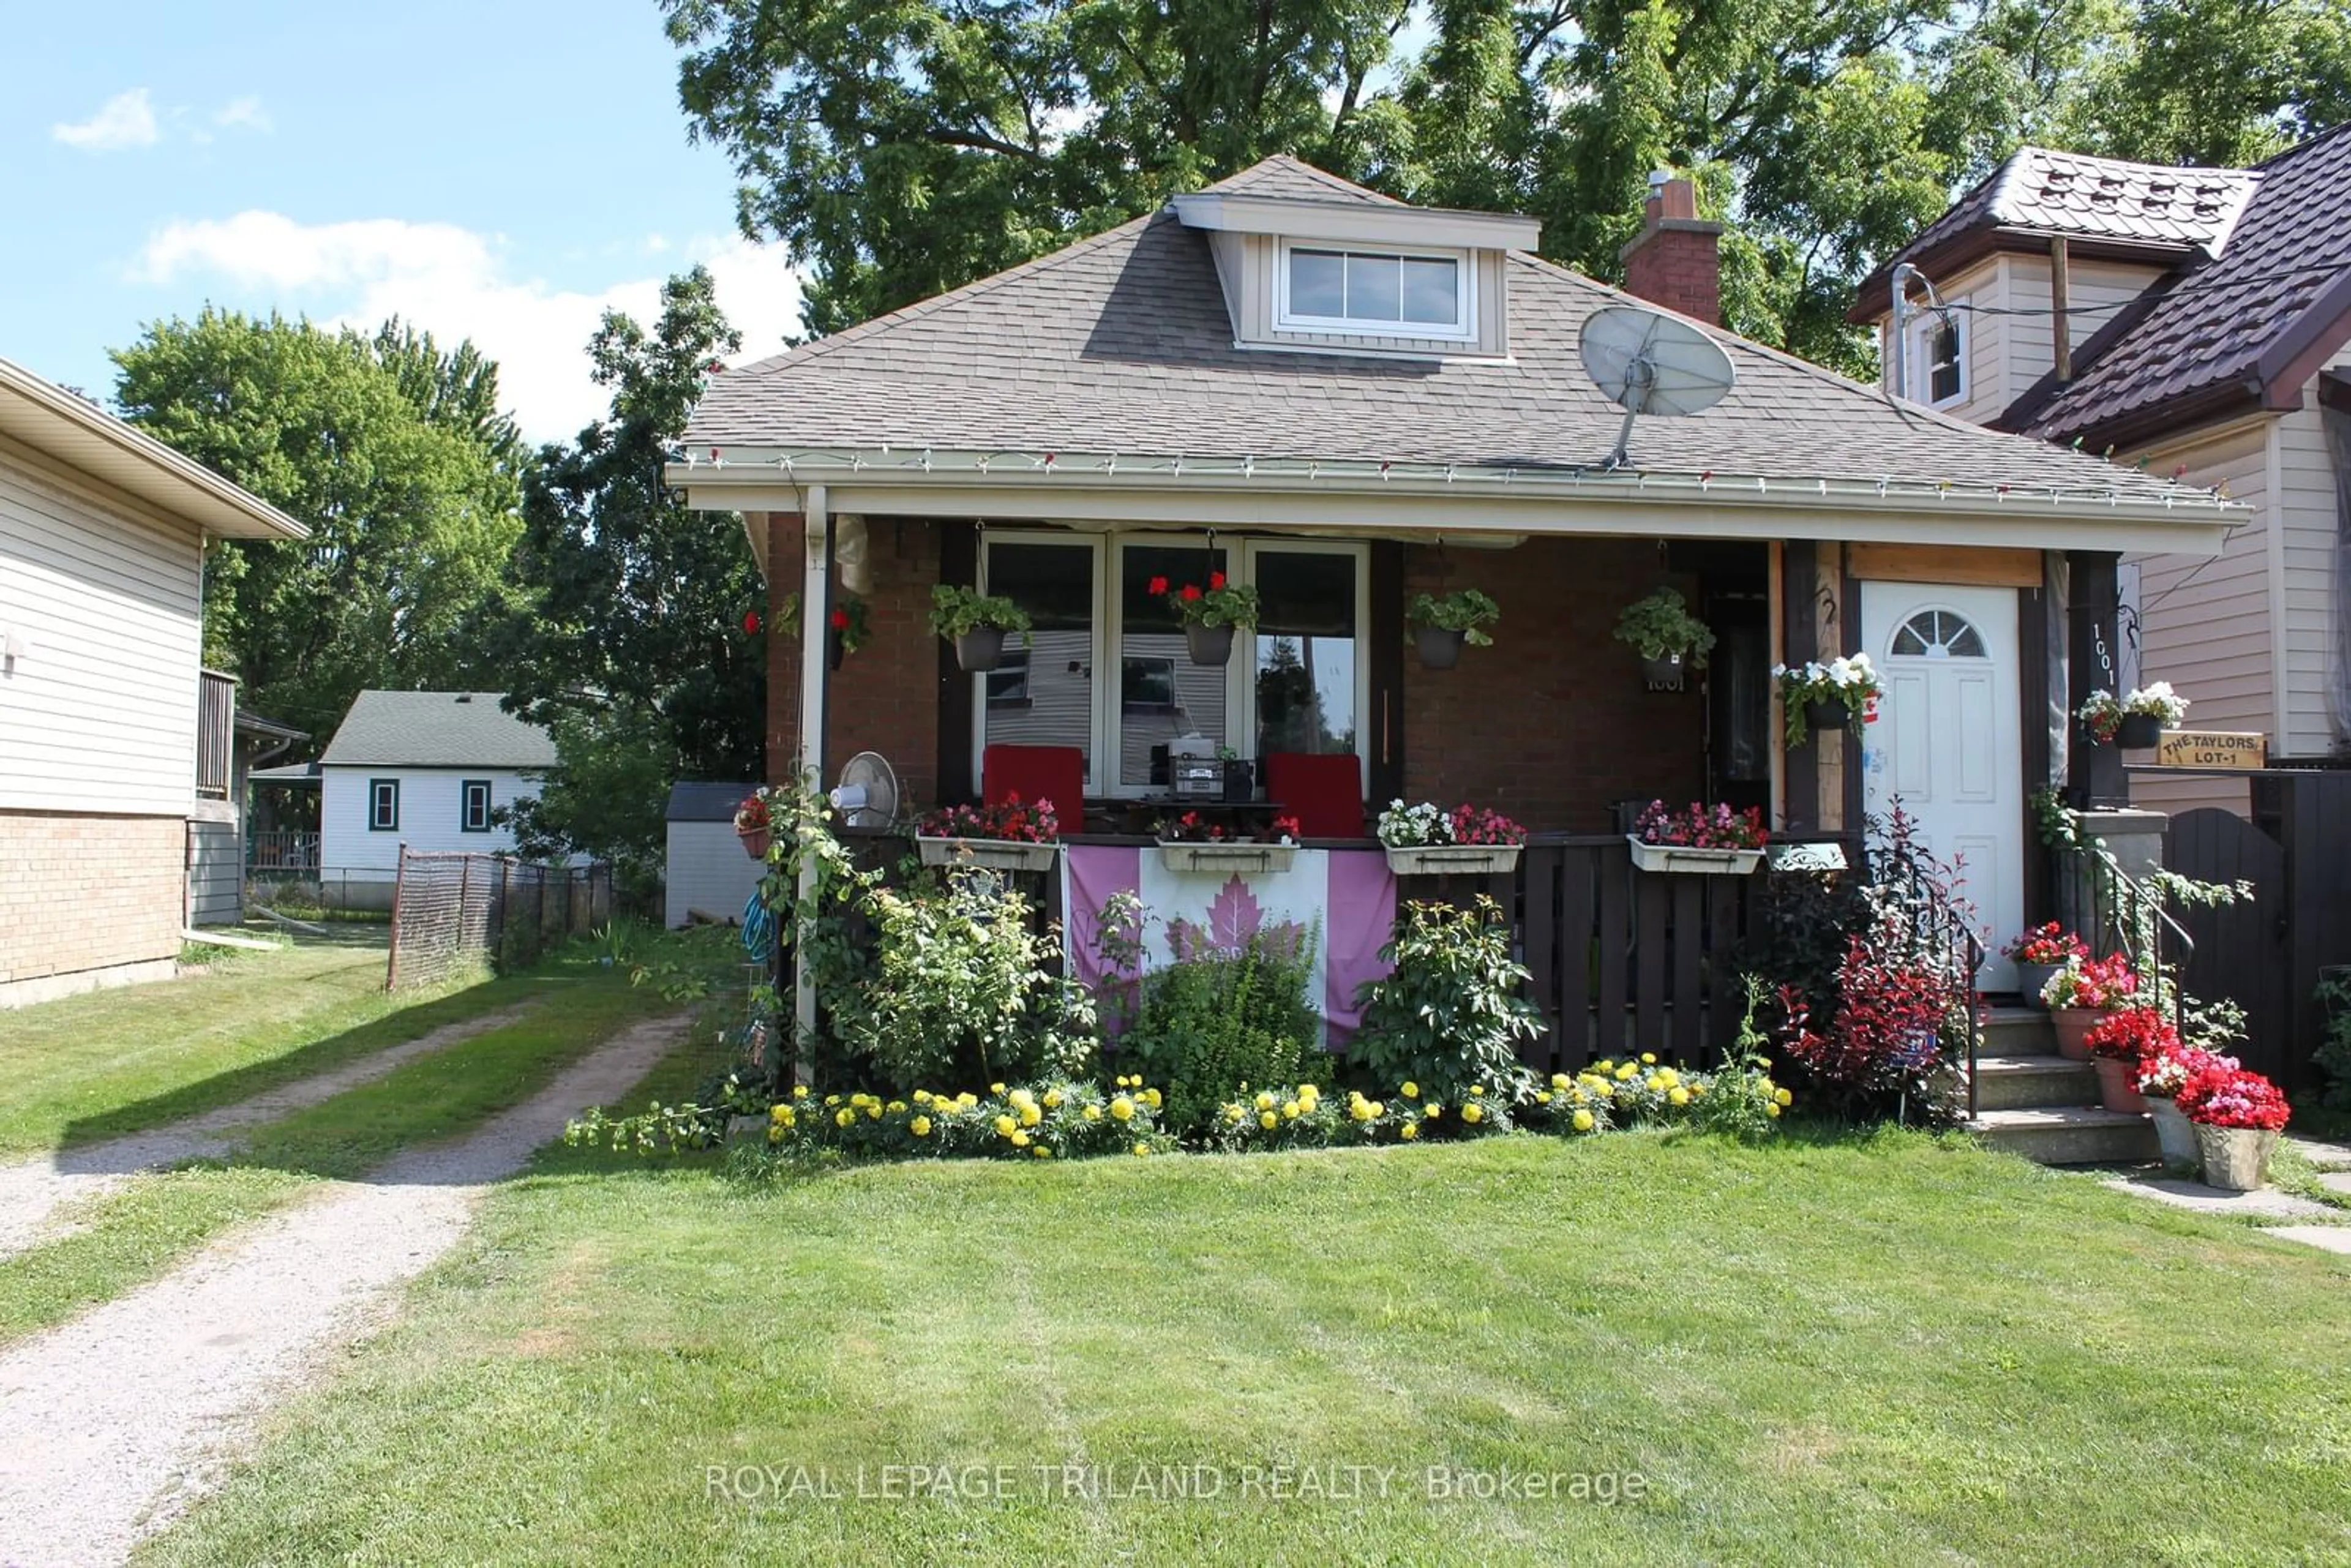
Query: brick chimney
[(1674, 260)]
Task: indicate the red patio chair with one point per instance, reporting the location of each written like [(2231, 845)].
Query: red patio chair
[(1054, 773), (1323, 790)]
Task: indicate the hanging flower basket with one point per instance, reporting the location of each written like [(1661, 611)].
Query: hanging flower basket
[(2138, 731), (756, 842), (975, 623), (1439, 647), (1662, 675), (988, 854), (1840, 694), (1208, 645), (979, 650), (2134, 720), (754, 828), (1453, 860), (1236, 858), (1677, 859), (1827, 719), (1702, 840)]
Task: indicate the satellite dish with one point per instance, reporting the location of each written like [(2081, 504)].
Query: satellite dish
[(867, 795), (1648, 362)]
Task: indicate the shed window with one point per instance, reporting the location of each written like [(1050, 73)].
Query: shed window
[(1387, 293), (474, 813), (383, 805)]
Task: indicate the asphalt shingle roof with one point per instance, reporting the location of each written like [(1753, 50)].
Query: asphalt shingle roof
[(2284, 271), (1120, 343), (435, 729)]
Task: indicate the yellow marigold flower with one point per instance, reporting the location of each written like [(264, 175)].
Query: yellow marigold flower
[(1020, 1097), (1782, 1097), (1772, 1109), (774, 1134), (1559, 1080), (922, 1096), (1123, 1109), (1093, 1112), (1290, 1108), (1473, 1112), (1584, 1121), (1053, 1099), (1648, 1059), (788, 1117), (1030, 1115), (1141, 1149), (966, 1099), (1409, 1131), (832, 1099), (1433, 1110), (1625, 1073), (1265, 1100), (1477, 1088), (1020, 1139), (996, 1089), (1041, 1151), (1653, 1083), (1669, 1076), (920, 1126), (1151, 1098), (1543, 1096), (843, 1118), (1308, 1092), (1268, 1120), (1004, 1127), (1605, 1064), (1234, 1114), (1377, 1108), (1678, 1094), (1411, 1090), (779, 1112), (800, 1090)]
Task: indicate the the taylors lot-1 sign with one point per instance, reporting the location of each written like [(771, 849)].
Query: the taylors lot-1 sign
[(2212, 749)]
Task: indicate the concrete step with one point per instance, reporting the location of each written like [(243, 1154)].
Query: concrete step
[(2007, 1081), (2018, 1031), (2083, 1135)]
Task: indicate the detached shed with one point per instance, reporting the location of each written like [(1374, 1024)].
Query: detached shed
[(707, 870)]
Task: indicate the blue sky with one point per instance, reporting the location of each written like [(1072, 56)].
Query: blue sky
[(502, 169)]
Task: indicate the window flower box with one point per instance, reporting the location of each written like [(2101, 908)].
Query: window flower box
[(988, 854), (1682, 860), (1227, 857), (1452, 860)]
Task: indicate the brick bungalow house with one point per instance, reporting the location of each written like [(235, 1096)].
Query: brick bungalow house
[(1346, 402), (119, 753), (2197, 322)]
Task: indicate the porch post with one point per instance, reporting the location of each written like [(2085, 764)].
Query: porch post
[(808, 761), (2094, 774), (1800, 645)]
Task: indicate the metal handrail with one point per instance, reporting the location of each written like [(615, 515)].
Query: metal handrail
[(2139, 916), (1937, 917)]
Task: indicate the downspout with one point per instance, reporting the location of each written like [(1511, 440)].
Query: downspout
[(816, 683)]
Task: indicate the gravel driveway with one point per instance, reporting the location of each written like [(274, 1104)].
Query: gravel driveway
[(111, 1424)]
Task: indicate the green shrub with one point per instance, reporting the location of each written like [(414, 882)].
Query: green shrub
[(2333, 1056), (1450, 1016), (1217, 1019)]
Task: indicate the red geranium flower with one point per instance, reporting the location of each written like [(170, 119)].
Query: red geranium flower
[(1191, 592), (840, 620), (1215, 580), (751, 623), (1157, 586)]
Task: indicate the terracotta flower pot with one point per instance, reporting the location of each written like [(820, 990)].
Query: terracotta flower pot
[(2236, 1159), (980, 650), (1439, 649), (2176, 1133), (1208, 645), (2117, 1090), (2072, 1027), (2030, 978), (2138, 731), (1662, 674), (755, 840)]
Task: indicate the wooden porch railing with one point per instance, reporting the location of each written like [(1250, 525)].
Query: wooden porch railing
[(216, 733)]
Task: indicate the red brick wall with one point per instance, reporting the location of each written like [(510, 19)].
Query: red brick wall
[(886, 696), (1551, 724)]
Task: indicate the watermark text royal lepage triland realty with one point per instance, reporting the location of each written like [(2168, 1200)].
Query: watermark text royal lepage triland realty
[(787, 1485)]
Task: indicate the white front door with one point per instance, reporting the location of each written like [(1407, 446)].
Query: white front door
[(1947, 743)]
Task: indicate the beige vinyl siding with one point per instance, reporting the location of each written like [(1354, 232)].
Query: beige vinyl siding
[(1255, 256), (2306, 514), (2204, 625), (99, 715), (2094, 291)]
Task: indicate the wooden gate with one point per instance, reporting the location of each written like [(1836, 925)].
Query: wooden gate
[(2241, 951)]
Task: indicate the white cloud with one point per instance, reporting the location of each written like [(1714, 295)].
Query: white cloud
[(125, 121), (244, 114), (456, 283)]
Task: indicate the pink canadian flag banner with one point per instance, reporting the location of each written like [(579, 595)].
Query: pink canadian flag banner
[(1344, 900)]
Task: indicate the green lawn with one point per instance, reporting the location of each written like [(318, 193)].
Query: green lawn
[(1886, 1350)]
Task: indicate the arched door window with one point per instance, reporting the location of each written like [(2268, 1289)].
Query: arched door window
[(1939, 634)]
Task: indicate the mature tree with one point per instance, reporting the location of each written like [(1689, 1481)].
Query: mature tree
[(412, 511), (635, 651), (907, 147)]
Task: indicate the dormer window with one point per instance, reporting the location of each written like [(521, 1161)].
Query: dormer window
[(1382, 293)]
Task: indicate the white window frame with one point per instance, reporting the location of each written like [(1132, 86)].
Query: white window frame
[(1922, 358), (382, 792), (489, 795), (1465, 273), (1108, 635)]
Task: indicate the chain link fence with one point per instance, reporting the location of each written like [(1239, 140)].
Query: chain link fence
[(454, 911)]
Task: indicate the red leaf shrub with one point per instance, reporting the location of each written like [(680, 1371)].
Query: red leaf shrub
[(1888, 1023)]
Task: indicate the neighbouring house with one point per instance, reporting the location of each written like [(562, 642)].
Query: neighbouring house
[(705, 875), (1345, 401), (2196, 323), (429, 771), (118, 752)]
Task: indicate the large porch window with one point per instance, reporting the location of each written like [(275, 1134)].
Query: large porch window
[(1298, 686)]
